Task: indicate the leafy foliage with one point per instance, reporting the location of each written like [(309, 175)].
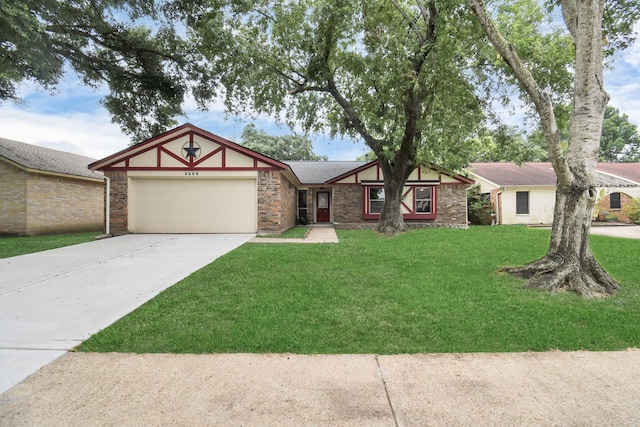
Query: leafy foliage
[(478, 206), (288, 147), (144, 70), (632, 210), (363, 69), (507, 144), (620, 141)]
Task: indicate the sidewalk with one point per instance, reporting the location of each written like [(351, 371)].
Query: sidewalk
[(482, 389), (316, 234)]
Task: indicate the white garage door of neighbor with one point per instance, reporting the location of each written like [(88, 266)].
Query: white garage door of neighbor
[(193, 206)]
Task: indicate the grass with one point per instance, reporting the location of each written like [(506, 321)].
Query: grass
[(297, 232), (432, 290), (14, 246)]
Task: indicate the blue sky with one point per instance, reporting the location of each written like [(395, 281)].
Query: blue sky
[(73, 120)]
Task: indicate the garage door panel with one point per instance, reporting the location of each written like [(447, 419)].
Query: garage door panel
[(193, 206)]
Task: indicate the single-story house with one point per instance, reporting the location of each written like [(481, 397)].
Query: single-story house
[(188, 180), (45, 191), (525, 194)]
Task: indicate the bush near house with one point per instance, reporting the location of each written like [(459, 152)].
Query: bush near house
[(632, 210)]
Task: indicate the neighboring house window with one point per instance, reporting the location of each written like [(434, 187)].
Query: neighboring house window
[(614, 201), (302, 205), (423, 199), (376, 200), (522, 203)]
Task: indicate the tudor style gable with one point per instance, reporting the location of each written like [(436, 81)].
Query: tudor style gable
[(188, 148), (421, 193)]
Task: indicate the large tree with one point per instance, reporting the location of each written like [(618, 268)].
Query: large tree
[(384, 71), (569, 263), (284, 147), (145, 70)]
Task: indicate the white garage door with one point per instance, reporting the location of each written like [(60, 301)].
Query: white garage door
[(193, 206)]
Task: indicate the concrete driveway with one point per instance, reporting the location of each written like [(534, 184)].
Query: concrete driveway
[(52, 301), (625, 231)]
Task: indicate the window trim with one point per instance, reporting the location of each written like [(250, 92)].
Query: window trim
[(415, 200)]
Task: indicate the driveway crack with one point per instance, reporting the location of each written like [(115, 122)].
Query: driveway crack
[(386, 391)]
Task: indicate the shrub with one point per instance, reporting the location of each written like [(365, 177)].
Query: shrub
[(632, 210), (478, 206)]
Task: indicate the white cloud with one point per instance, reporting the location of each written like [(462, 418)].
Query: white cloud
[(91, 134), (632, 55)]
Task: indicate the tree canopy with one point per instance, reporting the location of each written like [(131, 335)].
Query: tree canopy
[(620, 141), (145, 70), (391, 73), (286, 147)]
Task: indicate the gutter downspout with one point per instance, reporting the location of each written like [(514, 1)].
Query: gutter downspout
[(499, 206), (108, 207)]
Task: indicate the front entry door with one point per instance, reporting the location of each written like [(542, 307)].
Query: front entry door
[(323, 214)]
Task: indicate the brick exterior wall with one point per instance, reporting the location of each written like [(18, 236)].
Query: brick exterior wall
[(604, 206), (289, 203), (452, 204), (34, 204), (119, 190), (452, 208), (13, 200), (276, 202), (347, 204)]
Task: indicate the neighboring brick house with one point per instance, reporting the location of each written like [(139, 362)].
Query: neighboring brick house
[(45, 191), (188, 180), (525, 194)]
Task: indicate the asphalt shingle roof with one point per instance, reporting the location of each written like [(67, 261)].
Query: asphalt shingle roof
[(630, 171), (537, 174), (47, 160), (309, 172)]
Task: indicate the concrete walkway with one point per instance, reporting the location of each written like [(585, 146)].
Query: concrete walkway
[(506, 389), (52, 301), (316, 234)]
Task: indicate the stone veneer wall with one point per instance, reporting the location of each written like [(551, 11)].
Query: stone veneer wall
[(13, 203), (119, 193)]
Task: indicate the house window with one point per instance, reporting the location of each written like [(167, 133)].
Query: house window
[(376, 200), (423, 199), (614, 201), (302, 206), (522, 203)]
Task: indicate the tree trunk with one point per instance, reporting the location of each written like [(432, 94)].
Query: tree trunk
[(569, 264), (395, 172), (391, 221)]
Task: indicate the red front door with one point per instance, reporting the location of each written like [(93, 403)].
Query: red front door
[(323, 214)]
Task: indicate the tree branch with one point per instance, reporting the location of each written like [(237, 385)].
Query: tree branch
[(411, 22), (570, 16), (540, 98)]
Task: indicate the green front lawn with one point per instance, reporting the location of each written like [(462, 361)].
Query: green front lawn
[(14, 246), (432, 290)]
